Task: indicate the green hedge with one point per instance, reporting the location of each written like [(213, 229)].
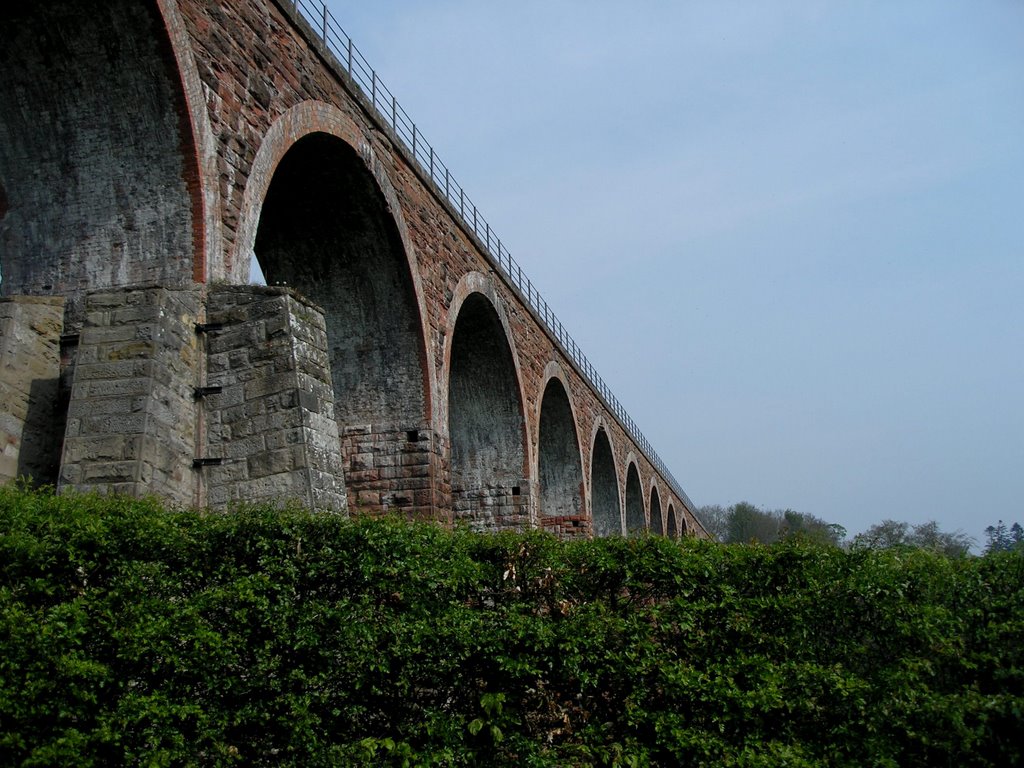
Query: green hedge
[(131, 635)]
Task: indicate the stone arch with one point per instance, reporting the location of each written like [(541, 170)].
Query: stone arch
[(605, 499), (296, 123), (561, 490), (673, 524), (325, 227), (635, 519), (486, 422), (299, 122), (684, 524), (470, 283), (97, 150), (656, 513)]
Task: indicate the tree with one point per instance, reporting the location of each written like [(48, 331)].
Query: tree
[(747, 523), (883, 535), (892, 533), (929, 536), (1002, 539), (811, 527), (743, 523), (716, 520)]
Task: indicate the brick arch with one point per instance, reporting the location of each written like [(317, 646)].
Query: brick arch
[(633, 509), (673, 524), (605, 496), (559, 470), (202, 179), (656, 511), (486, 426), (297, 123), (470, 283), (321, 221)]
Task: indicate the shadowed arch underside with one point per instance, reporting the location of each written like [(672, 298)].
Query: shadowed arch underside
[(559, 468), (485, 422), (657, 523), (635, 522), (96, 154), (673, 525), (325, 230), (604, 488)]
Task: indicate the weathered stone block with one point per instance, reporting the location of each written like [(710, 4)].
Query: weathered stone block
[(147, 417), (277, 432), (32, 427)]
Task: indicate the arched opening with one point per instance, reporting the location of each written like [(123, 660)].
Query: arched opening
[(635, 522), (325, 230), (95, 150), (673, 525), (685, 526), (559, 469), (657, 522), (485, 422), (604, 488)]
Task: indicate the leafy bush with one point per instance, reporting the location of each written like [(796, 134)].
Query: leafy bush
[(134, 635)]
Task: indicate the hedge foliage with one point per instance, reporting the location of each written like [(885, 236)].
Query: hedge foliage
[(131, 635)]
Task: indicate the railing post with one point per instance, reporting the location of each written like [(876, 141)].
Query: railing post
[(323, 28)]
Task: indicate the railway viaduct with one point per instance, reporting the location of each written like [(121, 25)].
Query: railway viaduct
[(398, 360)]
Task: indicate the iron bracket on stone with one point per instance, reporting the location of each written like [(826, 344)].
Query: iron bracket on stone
[(206, 461), (200, 392), (208, 327)]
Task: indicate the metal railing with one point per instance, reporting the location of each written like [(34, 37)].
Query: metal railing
[(393, 116)]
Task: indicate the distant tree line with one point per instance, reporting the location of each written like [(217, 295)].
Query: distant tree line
[(891, 533), (745, 523)]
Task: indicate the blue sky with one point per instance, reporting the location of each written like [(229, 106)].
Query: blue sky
[(790, 235)]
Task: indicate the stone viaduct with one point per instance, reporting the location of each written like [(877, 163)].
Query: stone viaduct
[(397, 360)]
